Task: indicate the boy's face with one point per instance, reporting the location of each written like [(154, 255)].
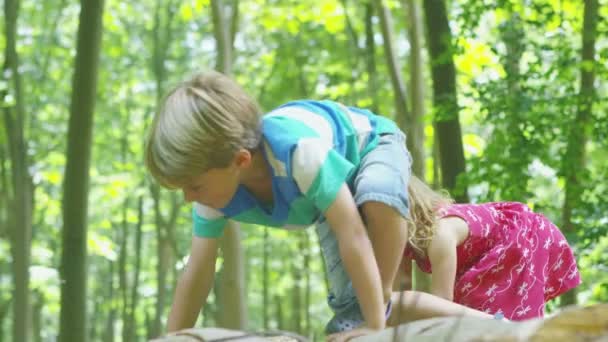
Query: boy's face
[(216, 187)]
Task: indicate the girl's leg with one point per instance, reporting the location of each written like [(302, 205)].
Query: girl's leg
[(380, 190)]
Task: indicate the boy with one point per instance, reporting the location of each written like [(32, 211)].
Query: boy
[(306, 162)]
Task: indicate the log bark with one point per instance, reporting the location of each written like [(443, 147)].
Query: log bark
[(571, 324)]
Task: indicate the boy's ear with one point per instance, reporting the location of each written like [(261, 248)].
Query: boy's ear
[(242, 158)]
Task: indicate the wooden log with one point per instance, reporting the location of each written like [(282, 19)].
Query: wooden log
[(218, 334), (571, 324)]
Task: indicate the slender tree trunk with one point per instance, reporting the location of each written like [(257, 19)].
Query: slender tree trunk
[(165, 256), (233, 314), (162, 37), (307, 282), (446, 118), (20, 206), (131, 318), (416, 137), (297, 290), (4, 197), (38, 305), (352, 58), (577, 142), (123, 238), (278, 302), (265, 275), (222, 38), (4, 307), (370, 44), (73, 317), (403, 117), (233, 309), (108, 331), (436, 169)]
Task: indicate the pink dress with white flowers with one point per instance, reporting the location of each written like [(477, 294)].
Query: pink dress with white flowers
[(513, 261)]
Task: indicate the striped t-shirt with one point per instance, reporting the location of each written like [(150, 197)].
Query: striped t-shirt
[(312, 148)]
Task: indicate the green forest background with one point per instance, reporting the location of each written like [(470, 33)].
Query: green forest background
[(500, 99)]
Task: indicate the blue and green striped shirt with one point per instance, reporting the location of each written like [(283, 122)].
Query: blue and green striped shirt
[(312, 148)]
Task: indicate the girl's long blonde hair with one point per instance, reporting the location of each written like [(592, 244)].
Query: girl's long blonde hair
[(424, 203)]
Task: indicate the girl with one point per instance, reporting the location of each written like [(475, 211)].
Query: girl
[(500, 258)]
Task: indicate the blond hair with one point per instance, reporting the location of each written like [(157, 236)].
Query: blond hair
[(424, 203), (200, 125)]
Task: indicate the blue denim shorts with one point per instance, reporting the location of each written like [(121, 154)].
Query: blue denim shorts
[(383, 176)]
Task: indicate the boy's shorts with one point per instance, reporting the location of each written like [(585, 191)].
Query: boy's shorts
[(383, 176)]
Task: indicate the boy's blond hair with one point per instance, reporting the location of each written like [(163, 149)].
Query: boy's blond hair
[(424, 203), (200, 125)]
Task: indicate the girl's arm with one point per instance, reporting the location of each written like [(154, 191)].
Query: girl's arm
[(357, 256), (414, 305), (442, 255)]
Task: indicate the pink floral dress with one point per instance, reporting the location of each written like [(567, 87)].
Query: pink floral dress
[(512, 262)]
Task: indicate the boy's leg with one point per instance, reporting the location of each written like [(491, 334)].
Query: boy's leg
[(341, 298), (387, 231), (380, 185), (380, 190)]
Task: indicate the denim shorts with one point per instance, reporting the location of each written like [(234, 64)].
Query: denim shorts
[(383, 176)]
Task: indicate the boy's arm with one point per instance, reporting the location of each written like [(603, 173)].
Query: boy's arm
[(442, 255), (358, 256), (194, 284)]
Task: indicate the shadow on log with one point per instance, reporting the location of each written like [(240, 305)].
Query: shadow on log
[(571, 324)]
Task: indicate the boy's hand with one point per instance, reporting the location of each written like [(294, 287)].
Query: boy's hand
[(348, 335)]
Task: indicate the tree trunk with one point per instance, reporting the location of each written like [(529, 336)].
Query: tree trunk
[(402, 115), (4, 197), (4, 307), (222, 38), (162, 37), (278, 302), (164, 253), (265, 275), (20, 204), (446, 118), (232, 307), (580, 128), (307, 282), (416, 138), (37, 325), (73, 316), (108, 331), (297, 288), (131, 319), (370, 47)]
